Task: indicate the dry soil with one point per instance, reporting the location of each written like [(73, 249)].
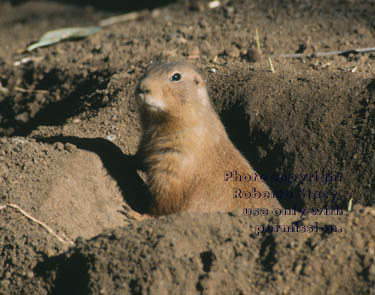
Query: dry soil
[(69, 129)]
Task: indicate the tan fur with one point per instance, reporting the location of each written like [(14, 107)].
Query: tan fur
[(185, 148)]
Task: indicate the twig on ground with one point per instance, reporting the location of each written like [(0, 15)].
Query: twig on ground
[(45, 226), (350, 205), (271, 65), (30, 90), (328, 53), (258, 40), (193, 57), (119, 18)]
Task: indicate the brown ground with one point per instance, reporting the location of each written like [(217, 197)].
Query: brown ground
[(70, 126)]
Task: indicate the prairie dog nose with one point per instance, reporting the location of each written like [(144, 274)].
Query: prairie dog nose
[(142, 88)]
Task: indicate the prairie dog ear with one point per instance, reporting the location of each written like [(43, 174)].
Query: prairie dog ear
[(201, 90), (199, 81)]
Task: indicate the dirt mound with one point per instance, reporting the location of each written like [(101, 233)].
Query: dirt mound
[(50, 176), (70, 128), (224, 254)]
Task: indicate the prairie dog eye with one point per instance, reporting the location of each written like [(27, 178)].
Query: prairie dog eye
[(176, 77)]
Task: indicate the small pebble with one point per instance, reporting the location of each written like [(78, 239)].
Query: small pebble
[(58, 146), (253, 55), (70, 147), (111, 137), (233, 52), (50, 252), (213, 4)]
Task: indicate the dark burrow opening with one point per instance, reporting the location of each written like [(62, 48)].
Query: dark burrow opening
[(267, 157)]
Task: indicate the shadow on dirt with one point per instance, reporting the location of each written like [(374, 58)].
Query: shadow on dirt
[(121, 167), (83, 93), (264, 155), (71, 275)]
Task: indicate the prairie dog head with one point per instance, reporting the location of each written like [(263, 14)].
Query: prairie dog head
[(167, 88)]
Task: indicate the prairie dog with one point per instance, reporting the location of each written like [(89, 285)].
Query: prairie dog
[(185, 150)]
